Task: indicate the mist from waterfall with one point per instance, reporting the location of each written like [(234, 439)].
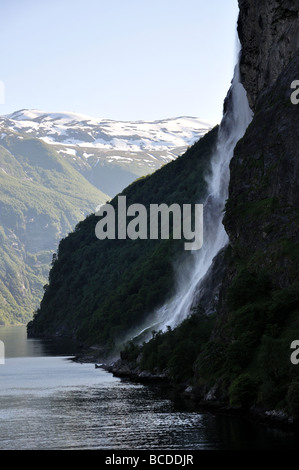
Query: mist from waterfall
[(192, 272)]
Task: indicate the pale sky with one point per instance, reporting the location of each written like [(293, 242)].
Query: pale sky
[(118, 59)]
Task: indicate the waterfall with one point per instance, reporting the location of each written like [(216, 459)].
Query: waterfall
[(192, 273)]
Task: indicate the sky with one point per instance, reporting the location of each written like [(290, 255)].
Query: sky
[(118, 59)]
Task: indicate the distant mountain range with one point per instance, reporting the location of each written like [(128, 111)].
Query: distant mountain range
[(110, 154), (55, 169)]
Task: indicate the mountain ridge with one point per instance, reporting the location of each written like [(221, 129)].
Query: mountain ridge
[(95, 145)]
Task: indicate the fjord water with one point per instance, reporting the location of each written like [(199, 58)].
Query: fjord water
[(48, 401)]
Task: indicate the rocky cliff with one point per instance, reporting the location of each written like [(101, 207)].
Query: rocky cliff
[(262, 211), (269, 35), (248, 357)]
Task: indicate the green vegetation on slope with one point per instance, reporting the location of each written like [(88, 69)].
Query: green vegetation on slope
[(254, 342), (100, 290), (42, 198)]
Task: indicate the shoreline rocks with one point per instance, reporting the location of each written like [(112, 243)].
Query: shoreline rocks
[(202, 400)]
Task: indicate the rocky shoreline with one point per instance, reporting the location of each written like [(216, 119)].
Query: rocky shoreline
[(199, 398), (211, 400)]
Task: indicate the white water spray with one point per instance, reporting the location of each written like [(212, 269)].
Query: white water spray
[(189, 277)]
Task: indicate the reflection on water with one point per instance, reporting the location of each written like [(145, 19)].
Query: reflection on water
[(50, 402)]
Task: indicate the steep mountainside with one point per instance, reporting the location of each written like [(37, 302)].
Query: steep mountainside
[(258, 315), (42, 198), (101, 291), (269, 35), (110, 154), (247, 360)]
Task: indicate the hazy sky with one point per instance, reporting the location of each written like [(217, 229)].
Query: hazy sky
[(118, 59)]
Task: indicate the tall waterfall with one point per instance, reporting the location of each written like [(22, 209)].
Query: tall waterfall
[(190, 275)]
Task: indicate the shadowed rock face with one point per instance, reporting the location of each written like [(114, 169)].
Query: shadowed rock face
[(262, 209), (269, 34), (263, 202), (258, 297)]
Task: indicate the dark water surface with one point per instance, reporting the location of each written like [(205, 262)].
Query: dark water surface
[(50, 402)]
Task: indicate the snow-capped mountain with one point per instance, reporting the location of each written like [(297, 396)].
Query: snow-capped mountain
[(111, 154)]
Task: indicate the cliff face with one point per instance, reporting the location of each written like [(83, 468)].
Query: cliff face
[(269, 35), (249, 351), (262, 210)]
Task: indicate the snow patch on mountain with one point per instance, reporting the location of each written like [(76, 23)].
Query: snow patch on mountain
[(108, 153), (88, 132)]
